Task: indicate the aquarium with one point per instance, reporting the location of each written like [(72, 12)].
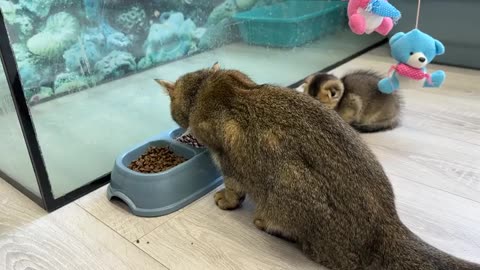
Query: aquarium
[(15, 164), (86, 71)]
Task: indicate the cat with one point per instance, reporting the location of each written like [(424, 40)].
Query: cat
[(311, 177), (356, 98)]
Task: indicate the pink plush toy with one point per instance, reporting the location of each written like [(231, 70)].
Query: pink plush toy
[(366, 16)]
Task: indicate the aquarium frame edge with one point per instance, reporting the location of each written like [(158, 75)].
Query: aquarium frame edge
[(24, 117), (46, 199)]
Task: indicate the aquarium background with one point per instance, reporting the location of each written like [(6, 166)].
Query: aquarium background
[(87, 67)]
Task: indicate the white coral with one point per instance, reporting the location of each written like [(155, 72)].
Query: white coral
[(60, 33)]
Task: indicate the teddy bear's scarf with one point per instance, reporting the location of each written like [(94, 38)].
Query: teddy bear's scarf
[(410, 72)]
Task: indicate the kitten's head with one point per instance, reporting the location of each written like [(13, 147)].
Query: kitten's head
[(183, 93), (327, 88)]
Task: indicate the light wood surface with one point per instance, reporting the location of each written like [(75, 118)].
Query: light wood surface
[(204, 237), (433, 161), (69, 238), (446, 221), (115, 215)]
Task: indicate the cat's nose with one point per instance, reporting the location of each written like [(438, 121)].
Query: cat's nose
[(422, 59)]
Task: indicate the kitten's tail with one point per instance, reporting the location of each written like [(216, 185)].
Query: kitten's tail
[(376, 127), (403, 250)]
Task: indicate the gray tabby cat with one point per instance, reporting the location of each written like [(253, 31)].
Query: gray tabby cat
[(356, 98), (312, 178)]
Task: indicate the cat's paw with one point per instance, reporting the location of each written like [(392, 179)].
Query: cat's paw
[(260, 224), (227, 199)]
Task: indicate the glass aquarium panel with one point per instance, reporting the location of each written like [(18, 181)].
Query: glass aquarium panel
[(88, 66), (14, 157)]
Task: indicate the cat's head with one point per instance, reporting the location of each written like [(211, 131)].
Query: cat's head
[(327, 88), (183, 92)]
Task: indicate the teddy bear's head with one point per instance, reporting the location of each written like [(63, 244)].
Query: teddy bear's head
[(415, 48)]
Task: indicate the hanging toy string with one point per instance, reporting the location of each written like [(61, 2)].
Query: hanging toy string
[(395, 67), (418, 13)]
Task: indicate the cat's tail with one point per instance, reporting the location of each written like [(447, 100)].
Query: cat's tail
[(403, 250), (376, 127)]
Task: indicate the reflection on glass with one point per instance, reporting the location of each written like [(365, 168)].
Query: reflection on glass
[(65, 47), (14, 158)]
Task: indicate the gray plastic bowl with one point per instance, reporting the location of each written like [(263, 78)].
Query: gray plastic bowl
[(158, 194)]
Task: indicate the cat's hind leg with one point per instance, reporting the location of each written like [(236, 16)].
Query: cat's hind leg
[(263, 223), (328, 254), (351, 110), (231, 197)]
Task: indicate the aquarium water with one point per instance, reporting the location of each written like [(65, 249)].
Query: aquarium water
[(64, 46)]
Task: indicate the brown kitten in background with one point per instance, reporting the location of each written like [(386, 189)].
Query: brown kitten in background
[(312, 178), (356, 98)]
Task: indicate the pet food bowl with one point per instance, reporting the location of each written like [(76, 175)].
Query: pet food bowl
[(157, 194)]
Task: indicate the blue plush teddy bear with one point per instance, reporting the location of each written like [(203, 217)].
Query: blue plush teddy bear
[(413, 50)]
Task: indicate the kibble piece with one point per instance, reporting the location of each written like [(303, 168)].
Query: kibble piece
[(155, 160)]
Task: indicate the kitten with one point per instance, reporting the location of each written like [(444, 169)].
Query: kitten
[(312, 178), (356, 98)]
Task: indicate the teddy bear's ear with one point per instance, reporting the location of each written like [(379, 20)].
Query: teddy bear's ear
[(396, 37), (439, 47)]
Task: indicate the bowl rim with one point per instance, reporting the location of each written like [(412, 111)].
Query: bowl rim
[(121, 165)]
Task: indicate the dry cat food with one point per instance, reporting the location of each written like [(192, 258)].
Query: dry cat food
[(155, 160)]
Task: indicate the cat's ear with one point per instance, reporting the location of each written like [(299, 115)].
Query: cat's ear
[(334, 89), (306, 83), (309, 79), (168, 86), (215, 67)]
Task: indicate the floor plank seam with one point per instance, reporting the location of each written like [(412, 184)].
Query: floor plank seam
[(436, 188), (132, 243), (369, 143), (180, 213), (447, 137), (175, 215)]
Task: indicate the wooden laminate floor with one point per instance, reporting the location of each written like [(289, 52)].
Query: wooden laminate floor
[(433, 161)]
